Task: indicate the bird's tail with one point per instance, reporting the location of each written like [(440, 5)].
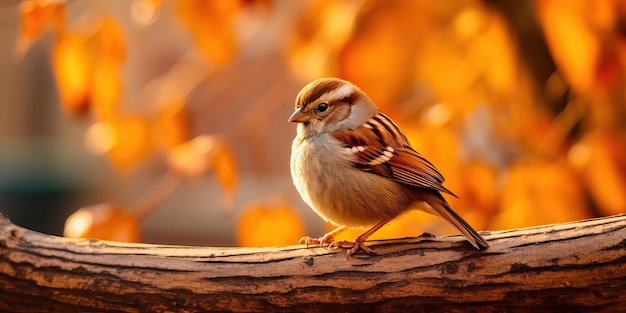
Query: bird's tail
[(444, 210)]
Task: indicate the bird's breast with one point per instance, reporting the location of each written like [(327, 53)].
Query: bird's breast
[(324, 174)]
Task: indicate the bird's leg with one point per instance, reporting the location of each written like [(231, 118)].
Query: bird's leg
[(359, 242), (328, 238)]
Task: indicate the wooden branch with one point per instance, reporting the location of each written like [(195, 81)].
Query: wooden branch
[(563, 267)]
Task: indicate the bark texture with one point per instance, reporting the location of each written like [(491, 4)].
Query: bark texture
[(578, 266)]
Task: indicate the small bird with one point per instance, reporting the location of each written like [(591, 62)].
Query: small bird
[(353, 165)]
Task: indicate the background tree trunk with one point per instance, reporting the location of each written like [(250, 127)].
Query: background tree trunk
[(575, 266)]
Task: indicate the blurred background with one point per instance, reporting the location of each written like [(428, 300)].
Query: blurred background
[(165, 121)]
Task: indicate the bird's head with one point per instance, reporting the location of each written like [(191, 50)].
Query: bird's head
[(330, 104)]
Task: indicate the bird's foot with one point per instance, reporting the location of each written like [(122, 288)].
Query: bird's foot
[(321, 241), (352, 246)]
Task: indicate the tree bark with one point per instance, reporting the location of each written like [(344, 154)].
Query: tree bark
[(578, 266)]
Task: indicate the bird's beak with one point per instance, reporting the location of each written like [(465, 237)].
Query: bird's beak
[(299, 117)]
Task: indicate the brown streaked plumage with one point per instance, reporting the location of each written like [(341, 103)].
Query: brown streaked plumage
[(353, 165)]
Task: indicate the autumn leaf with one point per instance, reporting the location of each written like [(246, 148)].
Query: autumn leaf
[(106, 88), (126, 140), (87, 67), (73, 60), (103, 221), (36, 16), (572, 42)]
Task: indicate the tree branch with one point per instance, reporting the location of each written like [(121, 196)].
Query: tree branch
[(565, 267)]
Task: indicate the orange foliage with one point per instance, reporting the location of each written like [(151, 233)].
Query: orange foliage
[(586, 39), (106, 88), (87, 67), (103, 221), (571, 40), (36, 16), (127, 140), (73, 63), (211, 24), (601, 159), (540, 193), (132, 140)]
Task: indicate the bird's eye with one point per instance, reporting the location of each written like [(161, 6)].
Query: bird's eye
[(322, 107)]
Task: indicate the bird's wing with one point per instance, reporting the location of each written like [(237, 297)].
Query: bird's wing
[(388, 153)]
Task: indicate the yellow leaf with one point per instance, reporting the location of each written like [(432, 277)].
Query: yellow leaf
[(573, 44), (36, 16), (73, 59), (126, 140), (87, 67), (103, 221), (133, 141)]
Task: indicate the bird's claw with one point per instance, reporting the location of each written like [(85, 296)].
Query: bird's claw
[(326, 239), (352, 246)]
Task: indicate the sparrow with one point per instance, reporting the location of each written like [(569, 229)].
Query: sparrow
[(355, 167)]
